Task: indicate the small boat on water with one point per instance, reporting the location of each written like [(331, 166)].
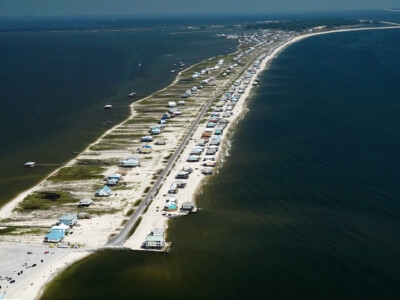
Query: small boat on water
[(132, 94), (173, 71), (30, 164), (107, 106)]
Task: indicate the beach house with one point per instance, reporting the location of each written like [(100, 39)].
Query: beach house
[(68, 219), (188, 206), (154, 242), (54, 236), (85, 202), (105, 191), (130, 162), (146, 138)]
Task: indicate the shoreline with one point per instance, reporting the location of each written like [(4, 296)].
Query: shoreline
[(135, 241), (239, 112)]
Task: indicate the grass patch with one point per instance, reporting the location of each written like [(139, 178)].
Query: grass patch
[(124, 222), (121, 188), (97, 162), (137, 202), (147, 208), (130, 212), (44, 200), (7, 230), (134, 227), (146, 190), (122, 136), (78, 172)]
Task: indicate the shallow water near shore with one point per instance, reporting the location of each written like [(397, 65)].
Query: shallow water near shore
[(305, 206)]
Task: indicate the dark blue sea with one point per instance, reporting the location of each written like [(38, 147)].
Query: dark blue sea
[(306, 205)]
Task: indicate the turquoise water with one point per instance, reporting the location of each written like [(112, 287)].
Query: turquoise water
[(54, 84), (306, 206)]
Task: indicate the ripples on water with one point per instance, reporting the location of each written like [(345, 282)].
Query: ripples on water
[(306, 206)]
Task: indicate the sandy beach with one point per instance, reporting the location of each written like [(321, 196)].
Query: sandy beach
[(94, 233)]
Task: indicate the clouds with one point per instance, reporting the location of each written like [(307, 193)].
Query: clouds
[(102, 7)]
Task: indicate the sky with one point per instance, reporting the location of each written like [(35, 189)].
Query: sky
[(168, 7)]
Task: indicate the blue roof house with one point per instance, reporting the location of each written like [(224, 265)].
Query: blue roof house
[(54, 236), (68, 219)]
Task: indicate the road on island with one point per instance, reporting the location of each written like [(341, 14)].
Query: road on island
[(120, 238)]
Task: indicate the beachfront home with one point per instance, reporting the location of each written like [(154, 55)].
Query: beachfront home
[(182, 175), (187, 169), (85, 202), (68, 219), (115, 176), (112, 182), (209, 163), (54, 236), (207, 171), (211, 150), (196, 151), (173, 189), (130, 162), (218, 131), (188, 206), (146, 138), (145, 149), (193, 158), (154, 242), (155, 130), (181, 184), (166, 116), (157, 232), (104, 192)]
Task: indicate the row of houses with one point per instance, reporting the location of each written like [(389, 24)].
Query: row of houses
[(63, 228)]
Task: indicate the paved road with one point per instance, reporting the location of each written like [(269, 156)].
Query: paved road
[(120, 238)]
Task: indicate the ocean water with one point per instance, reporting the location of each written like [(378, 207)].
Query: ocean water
[(307, 204), (56, 76)]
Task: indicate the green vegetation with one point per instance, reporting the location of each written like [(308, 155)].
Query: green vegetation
[(134, 227), (299, 25), (137, 202), (99, 212), (146, 190), (97, 162), (78, 172), (130, 212), (147, 207), (7, 230), (121, 188), (122, 136), (44, 200)]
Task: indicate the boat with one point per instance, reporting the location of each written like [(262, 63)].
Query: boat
[(30, 164), (107, 106), (132, 94), (173, 71)]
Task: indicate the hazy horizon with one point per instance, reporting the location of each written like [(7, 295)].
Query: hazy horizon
[(44, 8)]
